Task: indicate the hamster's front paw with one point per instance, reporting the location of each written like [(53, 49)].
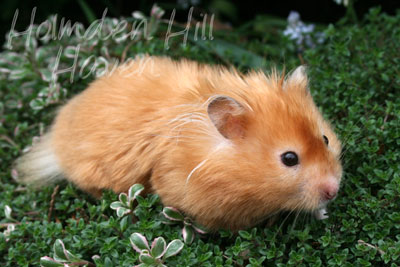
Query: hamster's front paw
[(321, 214)]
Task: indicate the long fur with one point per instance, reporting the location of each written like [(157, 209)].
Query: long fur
[(208, 140), (39, 167)]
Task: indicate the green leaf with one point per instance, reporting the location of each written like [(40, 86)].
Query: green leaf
[(18, 74), (46, 74), (90, 15), (60, 253), (70, 51), (173, 248), (108, 262), (245, 235), (153, 199), (147, 259), (37, 104), (123, 198), (122, 211), (50, 262), (135, 190), (41, 53), (172, 214), (139, 242), (141, 201), (188, 234), (115, 205), (63, 255), (385, 78), (199, 228), (158, 247), (123, 224)]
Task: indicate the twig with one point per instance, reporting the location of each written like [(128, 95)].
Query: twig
[(301, 59), (124, 53), (5, 225), (30, 213), (235, 262), (83, 214), (20, 189), (8, 140), (384, 121), (362, 242), (80, 263), (53, 196)]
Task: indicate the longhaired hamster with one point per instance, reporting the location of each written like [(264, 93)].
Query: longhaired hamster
[(227, 149)]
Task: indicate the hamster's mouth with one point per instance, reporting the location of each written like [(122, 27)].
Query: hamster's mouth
[(323, 203), (321, 214)]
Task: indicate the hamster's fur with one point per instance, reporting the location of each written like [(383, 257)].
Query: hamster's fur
[(208, 140)]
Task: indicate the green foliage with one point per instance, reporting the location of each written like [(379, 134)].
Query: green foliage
[(172, 215), (355, 79), (126, 202), (158, 252), (61, 257)]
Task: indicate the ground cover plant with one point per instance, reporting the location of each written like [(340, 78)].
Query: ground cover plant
[(354, 78)]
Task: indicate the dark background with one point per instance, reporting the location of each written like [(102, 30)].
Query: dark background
[(234, 12)]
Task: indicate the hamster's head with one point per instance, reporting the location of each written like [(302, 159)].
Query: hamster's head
[(283, 153)]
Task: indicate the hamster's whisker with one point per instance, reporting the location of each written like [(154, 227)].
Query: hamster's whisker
[(287, 216), (358, 122), (302, 210), (295, 221), (305, 216), (268, 216), (349, 134)]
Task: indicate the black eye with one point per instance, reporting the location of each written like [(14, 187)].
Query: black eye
[(326, 140), (290, 159)]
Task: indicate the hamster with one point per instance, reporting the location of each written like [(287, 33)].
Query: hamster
[(228, 149)]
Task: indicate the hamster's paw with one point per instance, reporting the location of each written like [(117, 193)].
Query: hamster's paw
[(321, 214)]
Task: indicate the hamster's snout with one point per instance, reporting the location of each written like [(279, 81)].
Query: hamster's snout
[(329, 189)]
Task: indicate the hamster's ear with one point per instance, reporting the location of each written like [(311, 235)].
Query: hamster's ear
[(298, 78), (227, 115)]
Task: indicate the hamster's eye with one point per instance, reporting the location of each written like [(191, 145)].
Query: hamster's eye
[(326, 139), (290, 158)]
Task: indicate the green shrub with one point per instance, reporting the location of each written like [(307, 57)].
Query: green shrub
[(354, 78)]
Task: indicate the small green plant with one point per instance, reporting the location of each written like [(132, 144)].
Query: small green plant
[(157, 253), (189, 227), (62, 257), (126, 203)]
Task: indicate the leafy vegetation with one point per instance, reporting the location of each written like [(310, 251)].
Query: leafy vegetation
[(354, 78)]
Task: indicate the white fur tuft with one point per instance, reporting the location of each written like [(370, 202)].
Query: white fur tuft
[(39, 166), (298, 76)]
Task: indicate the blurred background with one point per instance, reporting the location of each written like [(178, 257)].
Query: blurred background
[(229, 13)]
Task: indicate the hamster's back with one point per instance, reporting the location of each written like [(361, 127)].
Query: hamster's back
[(113, 133)]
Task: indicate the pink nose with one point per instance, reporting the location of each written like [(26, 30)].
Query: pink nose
[(329, 191)]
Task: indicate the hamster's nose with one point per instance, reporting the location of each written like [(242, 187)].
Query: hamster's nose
[(329, 190)]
